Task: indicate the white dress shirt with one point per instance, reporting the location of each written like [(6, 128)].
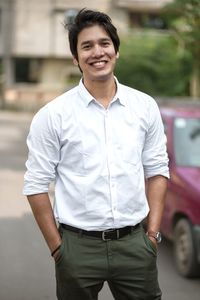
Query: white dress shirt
[(97, 157)]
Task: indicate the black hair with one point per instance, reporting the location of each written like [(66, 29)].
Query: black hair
[(86, 18)]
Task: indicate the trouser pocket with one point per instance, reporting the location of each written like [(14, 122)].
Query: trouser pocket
[(60, 254)]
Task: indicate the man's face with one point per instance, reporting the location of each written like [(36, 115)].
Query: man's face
[(96, 54)]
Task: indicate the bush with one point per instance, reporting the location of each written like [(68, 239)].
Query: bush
[(154, 64)]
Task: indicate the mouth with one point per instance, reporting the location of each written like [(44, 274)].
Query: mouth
[(98, 64)]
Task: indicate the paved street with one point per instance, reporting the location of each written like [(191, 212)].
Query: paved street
[(26, 268)]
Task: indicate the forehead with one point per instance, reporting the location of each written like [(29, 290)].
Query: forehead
[(92, 33)]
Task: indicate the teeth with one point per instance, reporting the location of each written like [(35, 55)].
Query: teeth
[(99, 63)]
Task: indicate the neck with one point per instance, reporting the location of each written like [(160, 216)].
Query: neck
[(102, 91)]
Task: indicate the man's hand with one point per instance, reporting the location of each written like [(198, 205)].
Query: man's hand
[(55, 253), (42, 210), (153, 241)]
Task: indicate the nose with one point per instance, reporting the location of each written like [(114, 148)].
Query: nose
[(98, 51)]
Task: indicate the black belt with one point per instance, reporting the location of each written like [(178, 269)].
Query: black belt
[(106, 235)]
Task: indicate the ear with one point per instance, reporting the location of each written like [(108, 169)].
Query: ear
[(75, 61), (117, 55)]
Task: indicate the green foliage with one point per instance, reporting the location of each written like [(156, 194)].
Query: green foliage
[(154, 64), (183, 16)]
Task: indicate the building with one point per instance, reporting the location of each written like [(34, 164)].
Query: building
[(143, 13), (34, 50)]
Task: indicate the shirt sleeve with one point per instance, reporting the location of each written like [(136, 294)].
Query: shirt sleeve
[(154, 156), (44, 153)]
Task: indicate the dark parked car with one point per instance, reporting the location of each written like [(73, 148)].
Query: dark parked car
[(181, 220)]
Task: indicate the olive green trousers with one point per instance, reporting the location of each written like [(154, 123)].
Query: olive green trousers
[(127, 264)]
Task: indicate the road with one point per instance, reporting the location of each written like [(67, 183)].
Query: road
[(26, 268)]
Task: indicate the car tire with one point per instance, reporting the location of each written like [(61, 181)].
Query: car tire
[(184, 249)]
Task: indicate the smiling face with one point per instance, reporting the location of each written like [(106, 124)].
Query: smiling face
[(96, 54)]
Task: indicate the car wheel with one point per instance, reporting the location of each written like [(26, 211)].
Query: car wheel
[(184, 249)]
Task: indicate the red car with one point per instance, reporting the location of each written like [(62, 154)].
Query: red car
[(181, 219)]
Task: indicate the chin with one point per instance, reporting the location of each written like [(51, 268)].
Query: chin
[(103, 77)]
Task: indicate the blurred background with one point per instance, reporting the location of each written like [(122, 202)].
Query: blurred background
[(160, 47), (159, 54)]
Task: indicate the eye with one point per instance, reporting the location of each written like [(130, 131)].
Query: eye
[(106, 43), (86, 46)]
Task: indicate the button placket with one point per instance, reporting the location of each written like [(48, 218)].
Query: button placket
[(109, 150)]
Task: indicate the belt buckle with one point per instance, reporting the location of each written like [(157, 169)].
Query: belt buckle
[(109, 230)]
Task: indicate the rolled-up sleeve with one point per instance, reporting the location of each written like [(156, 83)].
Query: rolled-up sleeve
[(154, 156), (44, 153)]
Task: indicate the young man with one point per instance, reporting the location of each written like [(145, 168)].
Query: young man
[(99, 142)]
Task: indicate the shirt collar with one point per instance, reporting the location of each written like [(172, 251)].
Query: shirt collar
[(119, 95), (85, 95), (88, 98)]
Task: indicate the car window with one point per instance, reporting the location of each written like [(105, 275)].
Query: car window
[(187, 141)]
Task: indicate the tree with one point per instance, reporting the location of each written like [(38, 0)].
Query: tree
[(152, 63), (183, 18)]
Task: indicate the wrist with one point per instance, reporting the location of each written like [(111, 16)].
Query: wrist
[(156, 235), (55, 250), (54, 242), (55, 245)]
